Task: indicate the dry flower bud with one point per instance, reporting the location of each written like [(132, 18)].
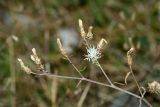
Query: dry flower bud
[(34, 51), (130, 54), (35, 58), (25, 68), (63, 51), (154, 87), (82, 31), (89, 34), (101, 44)]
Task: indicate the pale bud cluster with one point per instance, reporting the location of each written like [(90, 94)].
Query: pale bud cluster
[(34, 57), (24, 67), (130, 54), (93, 53), (63, 51), (89, 34), (154, 87), (84, 35)]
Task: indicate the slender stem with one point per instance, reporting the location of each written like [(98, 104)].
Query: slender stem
[(74, 66), (57, 76), (130, 66), (83, 96), (87, 44), (108, 79), (95, 82), (12, 71)]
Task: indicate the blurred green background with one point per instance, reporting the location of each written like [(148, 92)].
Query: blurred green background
[(25, 24)]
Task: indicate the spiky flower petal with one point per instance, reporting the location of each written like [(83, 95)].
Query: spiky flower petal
[(93, 54)]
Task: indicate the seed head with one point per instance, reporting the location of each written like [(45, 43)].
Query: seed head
[(63, 51), (154, 87), (93, 54), (35, 58), (130, 54), (82, 31), (24, 67), (89, 34)]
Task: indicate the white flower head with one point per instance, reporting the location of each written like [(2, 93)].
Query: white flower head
[(93, 54)]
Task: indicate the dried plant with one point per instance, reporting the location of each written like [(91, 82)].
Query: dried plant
[(93, 55), (24, 67), (154, 87)]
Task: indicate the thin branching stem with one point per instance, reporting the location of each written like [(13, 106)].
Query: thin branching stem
[(13, 73), (74, 66), (95, 82), (134, 78), (111, 85), (98, 64), (87, 44), (130, 67), (82, 78), (108, 79)]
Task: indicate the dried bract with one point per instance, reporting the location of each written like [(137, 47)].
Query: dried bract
[(25, 68), (130, 54), (37, 60), (89, 34), (101, 44), (63, 51), (85, 36), (82, 31)]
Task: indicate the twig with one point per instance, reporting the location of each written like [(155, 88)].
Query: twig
[(74, 66), (104, 73), (54, 91), (76, 70), (84, 94), (12, 71), (95, 82), (54, 81), (130, 67)]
